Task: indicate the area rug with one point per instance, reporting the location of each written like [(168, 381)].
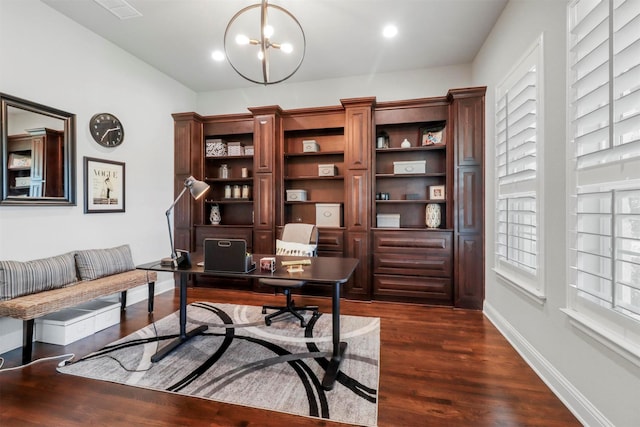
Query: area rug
[(242, 361)]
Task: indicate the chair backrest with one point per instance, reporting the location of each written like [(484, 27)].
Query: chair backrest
[(298, 239)]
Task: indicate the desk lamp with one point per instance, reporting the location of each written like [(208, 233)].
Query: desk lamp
[(181, 258)]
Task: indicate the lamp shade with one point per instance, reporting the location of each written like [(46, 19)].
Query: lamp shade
[(196, 188)]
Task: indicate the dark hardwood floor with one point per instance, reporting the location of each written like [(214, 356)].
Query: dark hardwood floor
[(439, 367)]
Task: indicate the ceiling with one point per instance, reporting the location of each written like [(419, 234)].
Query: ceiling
[(344, 37)]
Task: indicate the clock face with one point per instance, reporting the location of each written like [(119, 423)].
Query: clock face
[(106, 130)]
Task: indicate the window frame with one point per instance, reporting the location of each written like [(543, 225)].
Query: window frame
[(530, 284)]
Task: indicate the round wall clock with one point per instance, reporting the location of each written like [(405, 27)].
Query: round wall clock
[(106, 129)]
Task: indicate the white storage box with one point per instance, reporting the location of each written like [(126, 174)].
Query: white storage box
[(388, 220), (328, 214), (296, 195), (72, 324), (310, 146), (235, 149), (327, 170), (414, 166), (106, 313), (248, 150)]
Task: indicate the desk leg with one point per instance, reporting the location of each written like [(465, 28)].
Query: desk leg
[(184, 336), (338, 347)]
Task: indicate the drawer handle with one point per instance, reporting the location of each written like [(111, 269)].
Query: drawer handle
[(408, 168), (327, 214)]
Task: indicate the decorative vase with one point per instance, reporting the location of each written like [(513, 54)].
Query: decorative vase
[(214, 217), (432, 215), (405, 143)]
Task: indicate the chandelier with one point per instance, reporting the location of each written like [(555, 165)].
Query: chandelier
[(272, 57)]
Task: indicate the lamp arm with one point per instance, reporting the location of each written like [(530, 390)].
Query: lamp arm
[(168, 213), (176, 201)]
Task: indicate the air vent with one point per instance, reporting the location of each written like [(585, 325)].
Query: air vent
[(119, 8)]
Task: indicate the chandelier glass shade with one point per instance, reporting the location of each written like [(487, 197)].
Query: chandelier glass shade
[(264, 43)]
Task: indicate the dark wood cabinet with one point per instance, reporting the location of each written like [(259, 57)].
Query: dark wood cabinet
[(36, 164), (329, 155)]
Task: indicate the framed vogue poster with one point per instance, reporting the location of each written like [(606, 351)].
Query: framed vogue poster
[(103, 186)]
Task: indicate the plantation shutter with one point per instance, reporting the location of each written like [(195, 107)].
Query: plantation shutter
[(604, 96), (517, 146)]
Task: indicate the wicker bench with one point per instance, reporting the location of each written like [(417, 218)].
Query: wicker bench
[(31, 306)]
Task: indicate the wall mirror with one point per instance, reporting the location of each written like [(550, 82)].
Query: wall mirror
[(38, 154)]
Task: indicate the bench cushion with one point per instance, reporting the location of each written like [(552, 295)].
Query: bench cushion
[(23, 278), (95, 263), (36, 305)]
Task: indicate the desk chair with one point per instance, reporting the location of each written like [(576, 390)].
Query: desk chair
[(299, 240)]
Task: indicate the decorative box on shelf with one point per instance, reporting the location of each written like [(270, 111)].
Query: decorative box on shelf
[(235, 149), (310, 146), (296, 195), (388, 220), (406, 168), (215, 147), (328, 214), (327, 170), (23, 181), (248, 150)]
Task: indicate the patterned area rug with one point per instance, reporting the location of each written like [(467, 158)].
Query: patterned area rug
[(239, 360)]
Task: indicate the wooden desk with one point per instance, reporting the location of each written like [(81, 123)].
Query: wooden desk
[(324, 270)]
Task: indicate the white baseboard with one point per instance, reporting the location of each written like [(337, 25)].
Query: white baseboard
[(575, 401), (11, 329)]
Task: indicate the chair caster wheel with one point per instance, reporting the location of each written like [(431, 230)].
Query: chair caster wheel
[(267, 322), (264, 311)]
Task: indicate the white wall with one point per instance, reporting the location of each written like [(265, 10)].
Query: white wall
[(49, 59), (385, 87), (599, 386)]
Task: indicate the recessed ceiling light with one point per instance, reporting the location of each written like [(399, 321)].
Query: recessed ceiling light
[(390, 31), (218, 55)]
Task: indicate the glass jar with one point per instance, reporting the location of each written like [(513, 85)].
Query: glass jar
[(227, 191), (224, 172), (236, 192), (246, 192)]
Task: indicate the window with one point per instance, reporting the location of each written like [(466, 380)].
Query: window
[(604, 133), (518, 150)]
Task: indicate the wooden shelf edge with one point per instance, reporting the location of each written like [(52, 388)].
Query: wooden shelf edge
[(313, 177), (315, 153), (410, 175)]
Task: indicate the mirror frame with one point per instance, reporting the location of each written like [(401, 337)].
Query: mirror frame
[(69, 147)]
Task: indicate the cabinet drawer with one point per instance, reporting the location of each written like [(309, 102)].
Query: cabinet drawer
[(412, 242), (209, 231), (415, 265), (413, 289), (330, 240)]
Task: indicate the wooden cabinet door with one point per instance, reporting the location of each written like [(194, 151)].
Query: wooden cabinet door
[(359, 286), (264, 204), (358, 136), (357, 204), (467, 110), (264, 132)]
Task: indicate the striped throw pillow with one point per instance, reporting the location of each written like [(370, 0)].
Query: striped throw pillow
[(96, 263), (29, 277)]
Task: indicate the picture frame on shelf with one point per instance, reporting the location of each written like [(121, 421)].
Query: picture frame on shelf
[(436, 192), (430, 136), (104, 186)]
